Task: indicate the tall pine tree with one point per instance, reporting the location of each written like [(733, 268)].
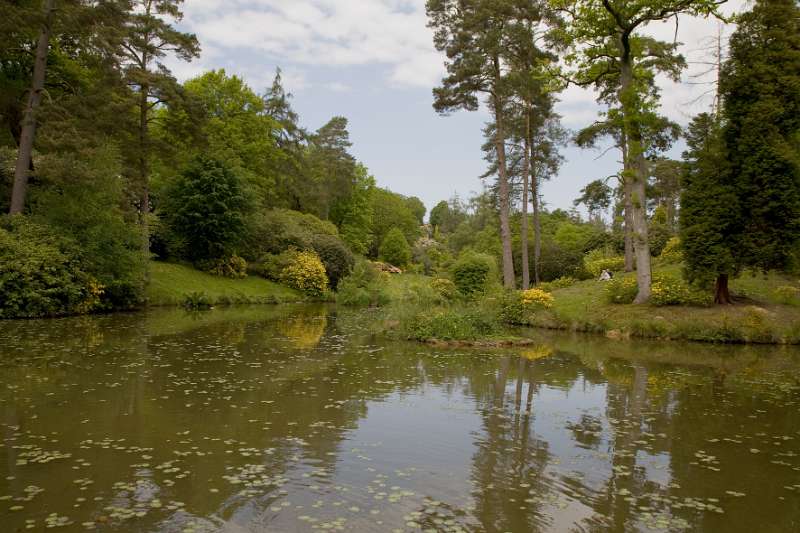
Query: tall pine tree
[(741, 202)]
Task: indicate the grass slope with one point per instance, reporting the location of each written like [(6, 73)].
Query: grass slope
[(170, 284)]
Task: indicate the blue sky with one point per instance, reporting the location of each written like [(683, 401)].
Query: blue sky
[(373, 62)]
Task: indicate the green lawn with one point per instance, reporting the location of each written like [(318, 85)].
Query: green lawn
[(170, 284)]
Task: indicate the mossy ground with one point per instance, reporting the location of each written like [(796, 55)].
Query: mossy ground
[(171, 283)]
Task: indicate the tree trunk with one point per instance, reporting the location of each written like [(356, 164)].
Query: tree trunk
[(637, 177), (628, 206), (721, 293), (143, 170), (526, 168), (28, 126), (500, 146), (537, 227)]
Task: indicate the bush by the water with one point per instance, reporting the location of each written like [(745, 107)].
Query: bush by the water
[(365, 286), (306, 273), (196, 301), (453, 324), (472, 272), (518, 306), (337, 258), (41, 273), (395, 249)]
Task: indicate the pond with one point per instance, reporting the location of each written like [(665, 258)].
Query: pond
[(297, 418)]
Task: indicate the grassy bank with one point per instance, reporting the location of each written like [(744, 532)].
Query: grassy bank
[(758, 316), (761, 314), (171, 284)]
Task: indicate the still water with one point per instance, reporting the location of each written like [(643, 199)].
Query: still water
[(298, 419)]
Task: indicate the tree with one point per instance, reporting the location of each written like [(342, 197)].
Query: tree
[(236, 130), (147, 39), (659, 134), (395, 249), (610, 52), (331, 168), (416, 206), (709, 209), (740, 206), (472, 35), (206, 208), (354, 216), (760, 89), (290, 138), (596, 196), (28, 125), (665, 188)]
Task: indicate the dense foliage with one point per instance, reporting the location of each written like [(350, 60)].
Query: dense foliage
[(205, 208), (394, 248)]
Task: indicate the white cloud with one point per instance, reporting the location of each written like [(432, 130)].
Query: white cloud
[(315, 33)]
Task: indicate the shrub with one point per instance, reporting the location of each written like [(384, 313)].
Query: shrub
[(280, 229), (672, 252), (621, 290), (472, 272), (363, 287), (206, 208), (270, 266), (80, 196), (228, 267), (452, 324), (664, 290), (601, 259), (560, 283), (395, 249), (40, 273), (537, 298), (445, 288), (336, 257), (196, 301), (305, 273), (518, 306)]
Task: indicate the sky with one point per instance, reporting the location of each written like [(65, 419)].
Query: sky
[(373, 62)]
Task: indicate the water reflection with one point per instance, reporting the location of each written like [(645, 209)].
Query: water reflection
[(296, 418)]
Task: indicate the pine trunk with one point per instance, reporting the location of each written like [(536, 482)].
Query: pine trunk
[(628, 208), (537, 228), (500, 146), (143, 170), (722, 294), (636, 174), (28, 126), (526, 168)]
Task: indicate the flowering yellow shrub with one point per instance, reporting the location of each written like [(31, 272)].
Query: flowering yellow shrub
[(672, 252), (537, 298), (621, 290), (306, 273), (596, 267)]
